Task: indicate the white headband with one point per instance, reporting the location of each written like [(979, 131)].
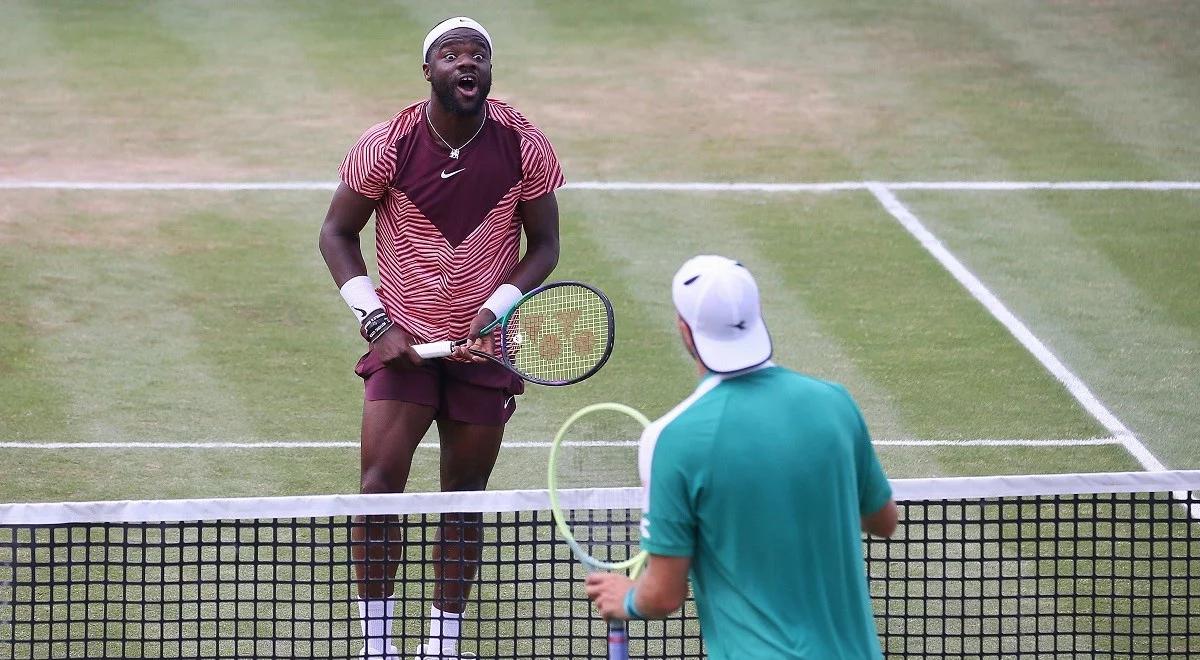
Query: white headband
[(452, 24)]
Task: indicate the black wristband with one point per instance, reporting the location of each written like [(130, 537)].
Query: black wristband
[(376, 323)]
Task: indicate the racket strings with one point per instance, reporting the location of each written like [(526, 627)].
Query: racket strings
[(559, 334), (605, 535)]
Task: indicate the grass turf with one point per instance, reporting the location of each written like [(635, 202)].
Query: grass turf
[(128, 316)]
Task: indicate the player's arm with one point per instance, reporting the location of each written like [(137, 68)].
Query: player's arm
[(662, 587), (539, 217), (877, 508), (660, 590), (349, 212), (882, 523)]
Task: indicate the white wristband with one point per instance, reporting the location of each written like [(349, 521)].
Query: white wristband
[(359, 294), (503, 300)]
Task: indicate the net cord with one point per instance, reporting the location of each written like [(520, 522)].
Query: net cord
[(312, 506)]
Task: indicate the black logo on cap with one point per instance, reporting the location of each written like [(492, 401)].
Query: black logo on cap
[(740, 325)]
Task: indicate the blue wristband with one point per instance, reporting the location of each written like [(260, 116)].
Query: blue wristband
[(630, 609)]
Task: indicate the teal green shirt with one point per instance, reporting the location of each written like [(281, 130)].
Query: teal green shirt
[(762, 479)]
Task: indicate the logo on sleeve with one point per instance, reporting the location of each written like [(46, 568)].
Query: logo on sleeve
[(645, 527)]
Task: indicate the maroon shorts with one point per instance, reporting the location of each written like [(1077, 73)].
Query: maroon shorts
[(459, 391)]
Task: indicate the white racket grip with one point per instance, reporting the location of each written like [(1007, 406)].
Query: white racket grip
[(434, 349)]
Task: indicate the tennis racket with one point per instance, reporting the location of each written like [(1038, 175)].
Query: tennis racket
[(557, 334), (598, 446)]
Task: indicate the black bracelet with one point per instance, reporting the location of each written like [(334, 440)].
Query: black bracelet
[(376, 323)]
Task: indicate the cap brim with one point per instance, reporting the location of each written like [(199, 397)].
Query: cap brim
[(750, 350)]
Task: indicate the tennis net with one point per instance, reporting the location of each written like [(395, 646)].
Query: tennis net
[(1101, 565)]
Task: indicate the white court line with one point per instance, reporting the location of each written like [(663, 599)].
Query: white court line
[(524, 444), (629, 186), (1088, 442), (167, 185), (838, 186), (984, 186), (1074, 385), (276, 444), (703, 186)]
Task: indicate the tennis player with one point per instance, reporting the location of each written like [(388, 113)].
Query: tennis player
[(453, 181), (758, 484)]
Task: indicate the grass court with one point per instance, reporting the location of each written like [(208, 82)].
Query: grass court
[(206, 318)]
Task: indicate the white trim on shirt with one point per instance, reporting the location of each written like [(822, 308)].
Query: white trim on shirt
[(650, 436)]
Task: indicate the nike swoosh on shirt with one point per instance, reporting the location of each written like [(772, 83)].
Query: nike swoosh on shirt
[(447, 175)]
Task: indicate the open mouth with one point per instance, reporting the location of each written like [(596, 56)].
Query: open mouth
[(468, 84)]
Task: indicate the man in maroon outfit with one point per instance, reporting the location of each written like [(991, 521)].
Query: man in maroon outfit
[(452, 181)]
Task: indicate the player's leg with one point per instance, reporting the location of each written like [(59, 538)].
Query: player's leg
[(391, 431), (469, 453), (399, 408), (471, 427)]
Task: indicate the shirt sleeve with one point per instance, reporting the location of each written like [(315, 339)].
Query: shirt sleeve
[(540, 171), (368, 166), (669, 520), (874, 490)]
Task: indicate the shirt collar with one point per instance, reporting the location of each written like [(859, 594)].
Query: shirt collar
[(734, 374)]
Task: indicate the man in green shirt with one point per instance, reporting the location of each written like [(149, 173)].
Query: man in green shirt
[(758, 484)]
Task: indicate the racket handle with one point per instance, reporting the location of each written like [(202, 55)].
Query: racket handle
[(434, 349), (618, 640)]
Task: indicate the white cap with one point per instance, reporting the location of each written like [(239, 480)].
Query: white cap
[(453, 24), (718, 299)]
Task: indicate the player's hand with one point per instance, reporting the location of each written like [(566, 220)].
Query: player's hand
[(394, 349), (607, 591), (483, 344)]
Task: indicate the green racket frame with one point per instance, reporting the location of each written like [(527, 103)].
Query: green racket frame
[(635, 563)]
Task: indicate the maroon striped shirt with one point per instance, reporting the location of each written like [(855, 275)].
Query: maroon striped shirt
[(448, 232)]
